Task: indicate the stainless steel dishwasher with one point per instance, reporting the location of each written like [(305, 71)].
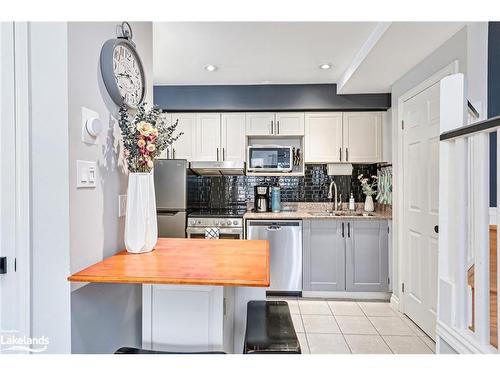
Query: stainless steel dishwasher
[(285, 250)]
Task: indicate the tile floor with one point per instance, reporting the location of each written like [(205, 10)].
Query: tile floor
[(357, 327)]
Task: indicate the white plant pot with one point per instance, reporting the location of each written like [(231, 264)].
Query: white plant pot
[(141, 230), (369, 204)]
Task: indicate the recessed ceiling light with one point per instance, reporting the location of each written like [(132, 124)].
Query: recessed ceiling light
[(325, 66), (210, 68)]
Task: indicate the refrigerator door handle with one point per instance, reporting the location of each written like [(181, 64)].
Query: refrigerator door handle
[(167, 213)]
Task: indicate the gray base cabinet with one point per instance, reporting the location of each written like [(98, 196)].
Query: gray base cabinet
[(367, 263), (324, 256), (347, 256)]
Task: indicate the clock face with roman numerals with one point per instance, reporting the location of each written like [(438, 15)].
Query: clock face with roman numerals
[(122, 72), (128, 74)]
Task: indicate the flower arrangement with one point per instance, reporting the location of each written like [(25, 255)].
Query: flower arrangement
[(368, 184), (145, 137)]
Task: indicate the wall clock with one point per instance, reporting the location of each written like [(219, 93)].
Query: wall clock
[(122, 70)]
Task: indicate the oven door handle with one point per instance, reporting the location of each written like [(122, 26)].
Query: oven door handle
[(221, 230)]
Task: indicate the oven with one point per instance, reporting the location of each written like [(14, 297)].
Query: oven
[(224, 233), (228, 224)]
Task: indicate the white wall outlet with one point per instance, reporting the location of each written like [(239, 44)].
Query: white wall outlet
[(86, 174), (122, 205), (91, 116)]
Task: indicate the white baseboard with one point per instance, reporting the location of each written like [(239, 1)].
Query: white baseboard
[(463, 344), (493, 216), (395, 302), (348, 295)]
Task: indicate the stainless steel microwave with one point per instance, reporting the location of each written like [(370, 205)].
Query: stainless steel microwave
[(270, 159)]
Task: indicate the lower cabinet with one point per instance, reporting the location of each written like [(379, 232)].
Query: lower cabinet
[(367, 256), (347, 256), (323, 255)]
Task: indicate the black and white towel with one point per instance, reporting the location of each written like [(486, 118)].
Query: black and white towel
[(212, 233)]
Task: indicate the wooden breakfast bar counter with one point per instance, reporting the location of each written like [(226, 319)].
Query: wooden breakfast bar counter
[(195, 291)]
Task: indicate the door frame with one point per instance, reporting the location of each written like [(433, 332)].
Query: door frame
[(399, 188), (21, 171)]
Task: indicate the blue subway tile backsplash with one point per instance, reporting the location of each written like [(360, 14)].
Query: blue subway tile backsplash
[(235, 191)]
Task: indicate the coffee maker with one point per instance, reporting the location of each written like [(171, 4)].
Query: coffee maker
[(261, 198)]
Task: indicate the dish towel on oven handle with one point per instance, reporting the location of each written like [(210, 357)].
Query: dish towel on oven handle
[(212, 233)]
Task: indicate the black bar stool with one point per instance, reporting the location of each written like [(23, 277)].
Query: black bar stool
[(270, 329)]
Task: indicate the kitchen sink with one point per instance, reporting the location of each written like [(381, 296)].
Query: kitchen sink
[(323, 214), (340, 213)]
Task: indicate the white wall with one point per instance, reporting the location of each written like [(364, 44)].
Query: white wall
[(104, 316), (50, 290)]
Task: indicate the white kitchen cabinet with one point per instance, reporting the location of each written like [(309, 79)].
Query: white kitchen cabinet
[(279, 123), (167, 153), (323, 137), (207, 137), (260, 123), (183, 147), (233, 136), (289, 123), (183, 318), (362, 137)]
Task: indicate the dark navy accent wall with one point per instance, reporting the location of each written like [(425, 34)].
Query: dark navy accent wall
[(306, 97), (493, 100)]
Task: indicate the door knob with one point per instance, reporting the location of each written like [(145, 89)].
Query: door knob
[(436, 228)]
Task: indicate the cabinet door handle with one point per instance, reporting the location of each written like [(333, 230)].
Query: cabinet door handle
[(340, 154), (346, 154), (349, 230), (173, 153), (168, 153), (217, 153), (223, 153), (272, 126), (343, 234), (278, 126)]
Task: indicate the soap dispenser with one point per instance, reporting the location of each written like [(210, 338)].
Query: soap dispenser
[(351, 203)]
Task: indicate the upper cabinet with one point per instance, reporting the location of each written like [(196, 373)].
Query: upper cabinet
[(269, 123), (362, 137), (219, 137), (183, 147), (233, 136), (289, 123), (352, 137), (207, 137), (323, 137)]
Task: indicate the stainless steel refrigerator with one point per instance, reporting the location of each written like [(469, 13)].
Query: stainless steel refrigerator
[(170, 188)]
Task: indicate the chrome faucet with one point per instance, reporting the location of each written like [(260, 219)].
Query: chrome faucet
[(330, 195)]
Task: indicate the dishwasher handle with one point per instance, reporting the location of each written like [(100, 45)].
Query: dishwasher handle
[(274, 228)]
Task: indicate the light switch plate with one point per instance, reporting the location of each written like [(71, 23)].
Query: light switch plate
[(122, 205), (86, 174)]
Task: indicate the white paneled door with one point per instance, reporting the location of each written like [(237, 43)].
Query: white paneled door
[(421, 202)]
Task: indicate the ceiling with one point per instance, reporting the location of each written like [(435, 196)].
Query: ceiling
[(391, 51), (254, 52), (366, 57)]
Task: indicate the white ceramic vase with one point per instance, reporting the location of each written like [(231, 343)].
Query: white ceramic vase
[(141, 230), (369, 204)]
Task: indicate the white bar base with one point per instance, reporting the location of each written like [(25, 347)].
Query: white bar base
[(189, 318)]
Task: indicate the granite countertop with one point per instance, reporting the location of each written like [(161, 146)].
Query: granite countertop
[(304, 210)]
